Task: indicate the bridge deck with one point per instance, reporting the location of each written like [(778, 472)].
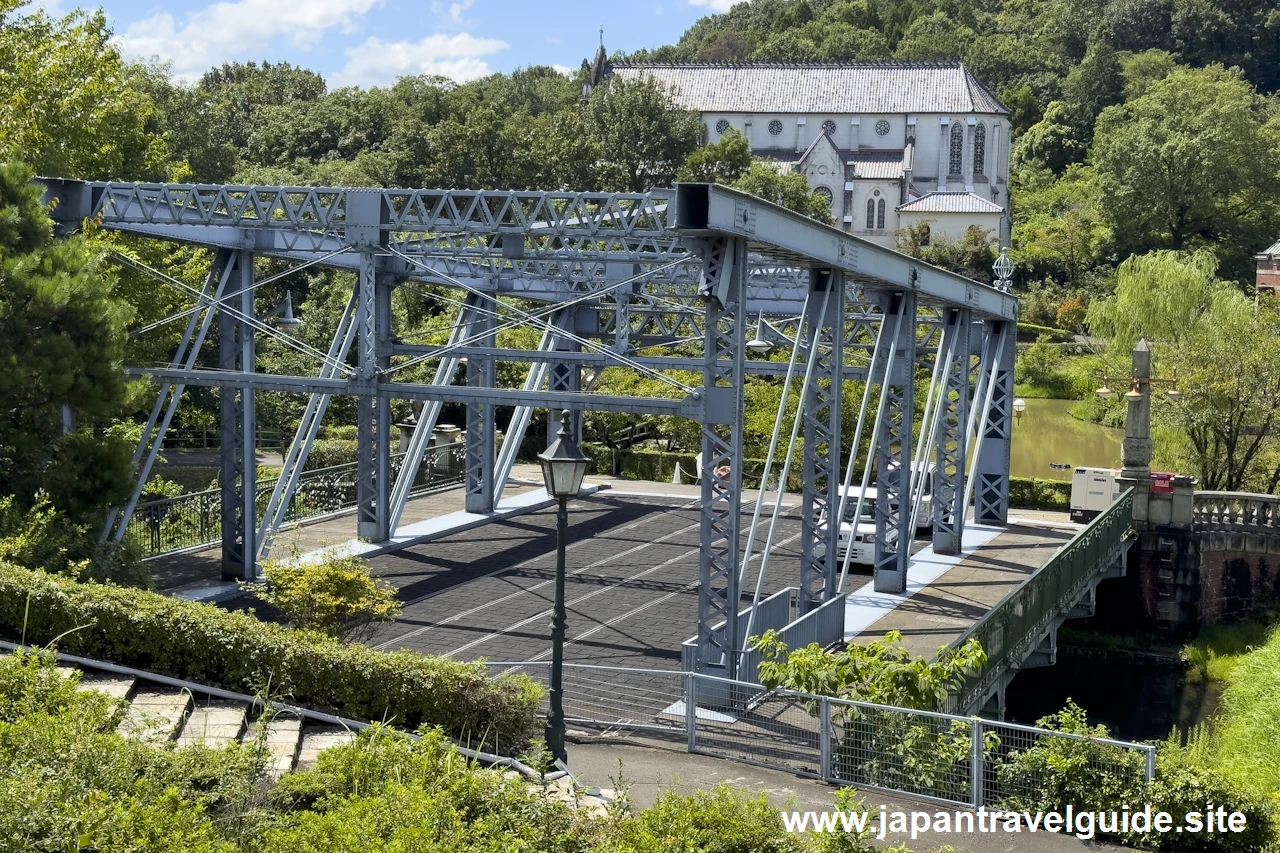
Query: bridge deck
[(940, 607)]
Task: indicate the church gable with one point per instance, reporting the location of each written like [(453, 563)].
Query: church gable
[(823, 164)]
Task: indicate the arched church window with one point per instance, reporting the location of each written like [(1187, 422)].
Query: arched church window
[(775, 127), (956, 161), (829, 127), (722, 125), (880, 214), (824, 193), (980, 149), (871, 214)]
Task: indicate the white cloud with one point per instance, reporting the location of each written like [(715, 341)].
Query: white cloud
[(456, 10), (377, 62), (715, 5), (228, 29), (563, 69)]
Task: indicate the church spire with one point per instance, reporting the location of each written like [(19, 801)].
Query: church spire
[(599, 69)]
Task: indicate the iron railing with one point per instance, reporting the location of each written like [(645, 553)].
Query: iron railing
[(1012, 629), (943, 757), (195, 520), (1237, 512)]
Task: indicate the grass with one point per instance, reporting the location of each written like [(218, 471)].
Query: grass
[(1218, 649), (1242, 741), (1248, 733)]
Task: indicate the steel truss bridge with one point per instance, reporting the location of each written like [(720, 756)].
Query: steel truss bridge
[(692, 272)]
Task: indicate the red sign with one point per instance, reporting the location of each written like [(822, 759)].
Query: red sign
[(1162, 481)]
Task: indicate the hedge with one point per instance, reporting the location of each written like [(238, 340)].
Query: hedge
[(660, 466), (1034, 493), (1030, 332), (237, 651)]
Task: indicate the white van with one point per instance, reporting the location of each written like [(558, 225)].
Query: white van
[(862, 535), (1092, 491)]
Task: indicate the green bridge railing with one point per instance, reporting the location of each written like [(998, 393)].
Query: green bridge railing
[(1011, 630)]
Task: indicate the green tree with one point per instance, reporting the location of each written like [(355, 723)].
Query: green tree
[(643, 136), (1143, 69), (1193, 161), (936, 36), (1058, 139), (789, 189), (722, 162), (971, 256), (1220, 347), (240, 91), (1058, 230), (62, 333), (1097, 82), (68, 104)]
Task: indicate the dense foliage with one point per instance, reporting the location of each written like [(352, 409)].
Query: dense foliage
[(1087, 774), (235, 650), (70, 781)]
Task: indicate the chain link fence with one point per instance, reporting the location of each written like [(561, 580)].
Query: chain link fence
[(945, 758)]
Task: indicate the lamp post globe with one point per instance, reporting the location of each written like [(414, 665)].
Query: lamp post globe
[(563, 467)]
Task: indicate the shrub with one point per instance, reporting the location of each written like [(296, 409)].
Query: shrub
[(1057, 772), (1040, 362), (327, 452), (335, 596), (714, 821), (1181, 787), (236, 651)]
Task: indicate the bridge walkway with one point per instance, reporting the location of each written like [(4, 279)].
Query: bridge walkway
[(937, 611)]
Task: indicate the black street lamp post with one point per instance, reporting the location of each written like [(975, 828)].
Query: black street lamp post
[(563, 467)]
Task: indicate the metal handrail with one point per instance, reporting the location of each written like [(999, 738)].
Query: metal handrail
[(1023, 616), (193, 520)]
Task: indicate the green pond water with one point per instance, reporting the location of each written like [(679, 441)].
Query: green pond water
[(1046, 434)]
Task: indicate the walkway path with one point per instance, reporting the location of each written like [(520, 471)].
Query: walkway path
[(947, 595)]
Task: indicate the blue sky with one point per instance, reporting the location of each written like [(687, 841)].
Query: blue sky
[(371, 42)]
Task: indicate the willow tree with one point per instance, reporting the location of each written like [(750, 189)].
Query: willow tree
[(1220, 345)]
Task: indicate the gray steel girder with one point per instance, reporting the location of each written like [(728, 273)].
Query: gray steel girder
[(893, 457), (820, 489), (723, 373), (951, 448)]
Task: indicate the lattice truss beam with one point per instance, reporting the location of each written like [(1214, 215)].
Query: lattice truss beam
[(669, 283)]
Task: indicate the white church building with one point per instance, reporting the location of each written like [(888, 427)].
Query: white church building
[(891, 144)]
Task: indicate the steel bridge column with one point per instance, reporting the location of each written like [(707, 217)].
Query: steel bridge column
[(237, 423), (564, 376), (480, 435), (429, 415), (952, 436), (373, 415), (724, 369), (893, 455), (991, 503), (820, 491)]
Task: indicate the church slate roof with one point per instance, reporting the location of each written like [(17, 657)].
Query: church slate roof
[(812, 88), (950, 202), (886, 165)]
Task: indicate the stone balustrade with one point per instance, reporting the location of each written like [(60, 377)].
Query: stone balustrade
[(1236, 511)]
